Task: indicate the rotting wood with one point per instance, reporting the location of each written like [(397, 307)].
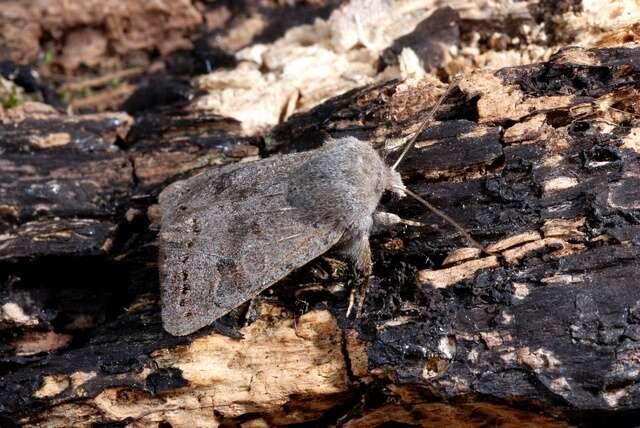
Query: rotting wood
[(548, 334)]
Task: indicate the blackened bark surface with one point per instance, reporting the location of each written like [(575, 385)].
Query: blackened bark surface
[(540, 163)]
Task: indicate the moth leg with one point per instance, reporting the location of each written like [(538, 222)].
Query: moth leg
[(249, 313), (352, 300), (358, 250), (383, 220), (363, 296), (360, 293)]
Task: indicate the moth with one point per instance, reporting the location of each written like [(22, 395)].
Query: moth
[(230, 233)]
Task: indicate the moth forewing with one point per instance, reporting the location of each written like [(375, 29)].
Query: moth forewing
[(229, 233)]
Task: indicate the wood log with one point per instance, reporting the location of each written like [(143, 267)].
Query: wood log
[(540, 163)]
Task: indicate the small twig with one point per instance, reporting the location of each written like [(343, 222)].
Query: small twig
[(101, 80), (110, 97)]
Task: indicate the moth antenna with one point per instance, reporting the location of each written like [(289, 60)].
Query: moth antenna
[(409, 146), (428, 119), (449, 220)]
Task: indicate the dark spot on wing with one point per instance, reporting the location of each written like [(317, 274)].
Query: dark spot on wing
[(184, 290), (195, 227), (255, 228), (220, 183), (228, 267)]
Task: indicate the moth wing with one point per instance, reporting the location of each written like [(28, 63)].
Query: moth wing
[(228, 234)]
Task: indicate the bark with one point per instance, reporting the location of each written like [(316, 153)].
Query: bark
[(540, 163)]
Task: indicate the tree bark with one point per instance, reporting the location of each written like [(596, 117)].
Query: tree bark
[(539, 163)]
